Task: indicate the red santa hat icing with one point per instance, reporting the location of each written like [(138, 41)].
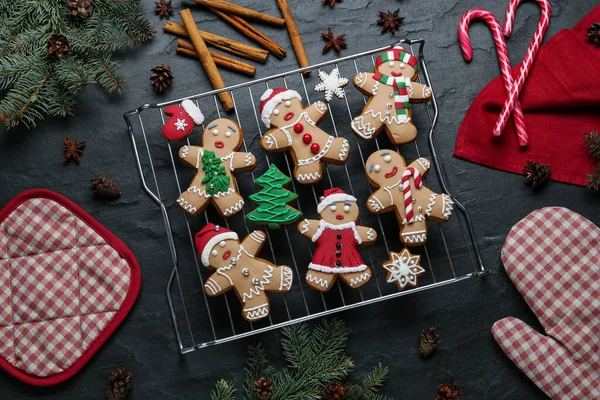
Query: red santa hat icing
[(333, 195), (182, 121), (209, 237), (397, 54), (271, 99)]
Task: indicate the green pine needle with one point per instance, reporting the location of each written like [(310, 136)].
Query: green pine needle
[(223, 391), (593, 180), (257, 366), (592, 143)]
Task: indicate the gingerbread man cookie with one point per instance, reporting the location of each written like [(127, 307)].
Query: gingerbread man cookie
[(392, 88), (236, 267), (401, 190), (294, 129), (215, 163), (337, 238)]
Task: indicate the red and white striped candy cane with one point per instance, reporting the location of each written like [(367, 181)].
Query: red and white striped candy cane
[(467, 50), (408, 199), (534, 47)]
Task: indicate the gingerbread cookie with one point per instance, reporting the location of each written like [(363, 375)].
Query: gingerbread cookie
[(236, 267), (215, 163), (331, 84), (392, 88), (403, 269), (294, 129), (272, 200), (337, 238), (401, 190), (182, 121)]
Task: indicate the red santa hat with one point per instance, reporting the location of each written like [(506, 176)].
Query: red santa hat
[(182, 121), (333, 195), (209, 237), (271, 99)]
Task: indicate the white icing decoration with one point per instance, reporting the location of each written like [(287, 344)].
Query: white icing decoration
[(311, 177), (344, 150), (257, 236), (285, 282), (347, 208), (402, 65), (377, 168), (202, 193), (304, 227), (184, 151), (371, 234), (228, 134), (403, 268), (260, 287), (362, 277), (391, 64), (215, 132), (333, 207), (214, 253), (180, 124), (317, 281), (288, 103), (339, 227), (375, 203), (222, 243), (234, 208), (257, 312), (332, 84), (387, 158), (248, 159), (362, 129), (187, 206), (336, 270), (318, 156), (276, 112)]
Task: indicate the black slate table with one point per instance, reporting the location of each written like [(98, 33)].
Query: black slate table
[(463, 313)]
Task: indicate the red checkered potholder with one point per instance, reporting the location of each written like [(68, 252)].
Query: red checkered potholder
[(66, 283), (553, 258)]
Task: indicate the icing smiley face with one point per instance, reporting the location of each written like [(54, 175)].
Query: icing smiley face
[(286, 112), (224, 253), (222, 136), (340, 212), (397, 69), (384, 166)]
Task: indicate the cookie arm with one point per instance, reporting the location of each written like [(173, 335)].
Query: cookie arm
[(308, 227), (243, 161), (422, 165), (316, 111), (190, 155), (253, 242), (379, 202), (367, 235), (420, 92), (218, 283), (276, 140), (364, 82)]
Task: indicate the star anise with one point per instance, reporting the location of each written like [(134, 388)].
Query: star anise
[(331, 2), (390, 20), (536, 174), (335, 42), (73, 149), (163, 8)]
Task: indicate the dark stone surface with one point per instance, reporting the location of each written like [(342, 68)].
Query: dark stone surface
[(387, 332)]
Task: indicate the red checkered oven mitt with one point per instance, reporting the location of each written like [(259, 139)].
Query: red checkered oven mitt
[(66, 283), (553, 258)]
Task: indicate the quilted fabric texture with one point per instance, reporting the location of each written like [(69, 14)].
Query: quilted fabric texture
[(61, 285), (553, 258)]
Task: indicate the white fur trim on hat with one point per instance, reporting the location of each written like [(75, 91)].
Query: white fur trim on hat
[(270, 105), (193, 111), (334, 198), (213, 242)]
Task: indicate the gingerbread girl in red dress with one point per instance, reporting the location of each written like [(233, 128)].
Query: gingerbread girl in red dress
[(337, 238)]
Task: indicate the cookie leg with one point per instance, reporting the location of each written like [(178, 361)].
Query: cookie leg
[(401, 133), (357, 279), (256, 308), (439, 207), (191, 202), (230, 204), (338, 152), (281, 281), (414, 234), (366, 126), (309, 173), (320, 280)]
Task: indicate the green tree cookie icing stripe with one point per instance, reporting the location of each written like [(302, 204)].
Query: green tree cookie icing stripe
[(216, 179), (272, 200)]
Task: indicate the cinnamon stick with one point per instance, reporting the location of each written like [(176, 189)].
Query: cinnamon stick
[(244, 12), (205, 58), (232, 46), (251, 32), (186, 48), (295, 38)]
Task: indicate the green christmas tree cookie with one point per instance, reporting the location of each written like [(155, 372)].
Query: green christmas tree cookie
[(272, 200), (216, 179)]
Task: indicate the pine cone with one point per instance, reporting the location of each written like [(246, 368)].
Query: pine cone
[(594, 34), (429, 342), (119, 384), (105, 186), (80, 8), (449, 392), (334, 390), (161, 77), (59, 46), (264, 388), (536, 174)]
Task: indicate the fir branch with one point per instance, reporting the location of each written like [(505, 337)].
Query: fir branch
[(591, 140), (257, 366), (592, 180), (223, 391), (107, 77), (369, 387)]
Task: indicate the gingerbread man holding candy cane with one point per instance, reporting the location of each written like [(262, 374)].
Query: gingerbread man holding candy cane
[(392, 88), (295, 130), (401, 190)]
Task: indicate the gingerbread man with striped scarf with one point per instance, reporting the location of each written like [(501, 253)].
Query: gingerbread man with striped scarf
[(400, 189), (392, 89)]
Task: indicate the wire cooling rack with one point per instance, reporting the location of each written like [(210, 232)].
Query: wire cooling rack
[(451, 254)]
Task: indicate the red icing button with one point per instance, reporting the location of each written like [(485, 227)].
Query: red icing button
[(298, 128), (307, 138), (315, 148)]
